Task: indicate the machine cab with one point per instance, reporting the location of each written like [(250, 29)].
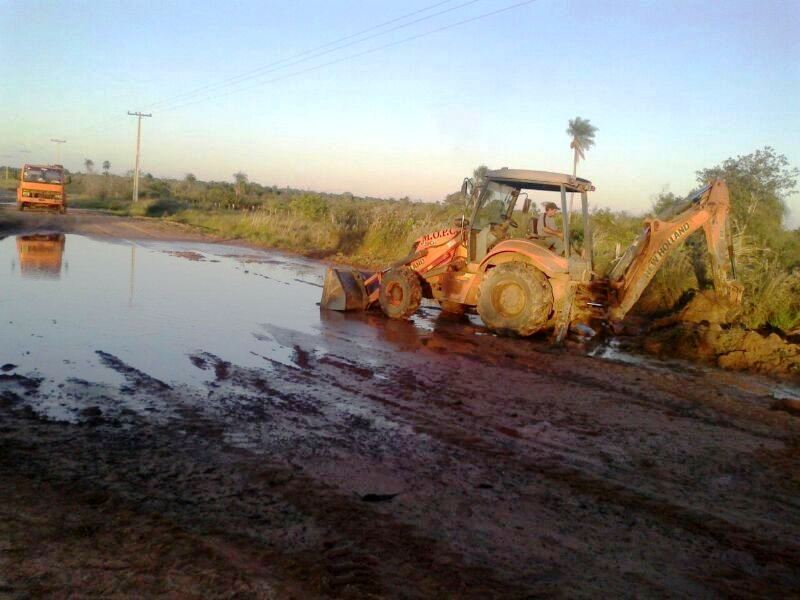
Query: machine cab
[(490, 218), (492, 205)]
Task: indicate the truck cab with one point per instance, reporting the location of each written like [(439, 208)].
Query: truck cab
[(42, 186)]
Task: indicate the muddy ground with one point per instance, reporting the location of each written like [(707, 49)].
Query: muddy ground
[(363, 458)]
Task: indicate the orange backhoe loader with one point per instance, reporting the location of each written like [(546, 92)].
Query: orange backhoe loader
[(521, 286)]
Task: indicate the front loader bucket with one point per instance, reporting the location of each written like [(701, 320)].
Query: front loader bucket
[(344, 289)]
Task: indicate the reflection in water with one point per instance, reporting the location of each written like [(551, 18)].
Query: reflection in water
[(430, 328), (40, 255), (149, 309), (133, 271)]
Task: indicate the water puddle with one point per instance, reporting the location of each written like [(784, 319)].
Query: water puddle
[(67, 301)]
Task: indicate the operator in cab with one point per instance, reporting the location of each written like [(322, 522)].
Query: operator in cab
[(546, 228)]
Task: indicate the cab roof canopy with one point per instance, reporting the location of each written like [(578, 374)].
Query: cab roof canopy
[(539, 180)]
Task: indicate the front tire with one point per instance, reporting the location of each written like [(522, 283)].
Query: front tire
[(401, 293), (515, 298)]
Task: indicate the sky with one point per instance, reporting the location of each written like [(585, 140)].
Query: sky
[(673, 87)]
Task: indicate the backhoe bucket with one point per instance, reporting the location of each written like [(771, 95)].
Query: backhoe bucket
[(344, 289)]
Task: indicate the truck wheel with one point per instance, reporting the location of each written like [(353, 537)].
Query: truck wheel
[(21, 206), (401, 293), (515, 298)]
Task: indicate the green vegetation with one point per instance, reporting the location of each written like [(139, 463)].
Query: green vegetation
[(8, 177), (372, 231)]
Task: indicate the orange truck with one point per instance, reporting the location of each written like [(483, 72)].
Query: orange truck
[(43, 186)]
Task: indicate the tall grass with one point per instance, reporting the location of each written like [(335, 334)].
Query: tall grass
[(772, 294)]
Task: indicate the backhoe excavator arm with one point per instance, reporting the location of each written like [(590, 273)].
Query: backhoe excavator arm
[(708, 208)]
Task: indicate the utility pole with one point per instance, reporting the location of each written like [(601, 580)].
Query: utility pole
[(58, 149), (138, 140)]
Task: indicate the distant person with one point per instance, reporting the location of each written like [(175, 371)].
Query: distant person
[(546, 228)]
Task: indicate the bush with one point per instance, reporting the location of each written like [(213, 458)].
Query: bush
[(310, 207), (163, 207)]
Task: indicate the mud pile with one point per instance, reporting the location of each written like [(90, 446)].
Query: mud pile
[(733, 347), (701, 330)]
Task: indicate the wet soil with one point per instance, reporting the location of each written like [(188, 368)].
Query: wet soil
[(267, 449)]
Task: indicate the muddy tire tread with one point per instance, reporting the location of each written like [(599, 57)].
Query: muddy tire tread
[(411, 279), (536, 314)]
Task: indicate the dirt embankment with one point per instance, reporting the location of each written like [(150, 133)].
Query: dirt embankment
[(734, 348), (701, 332)]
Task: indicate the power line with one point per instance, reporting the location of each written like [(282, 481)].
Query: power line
[(356, 55), (314, 52)]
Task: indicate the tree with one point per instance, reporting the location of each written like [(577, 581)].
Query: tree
[(479, 174), (89, 164), (454, 199), (759, 184), (240, 183), (664, 203), (190, 178), (478, 179), (582, 133), (106, 167)]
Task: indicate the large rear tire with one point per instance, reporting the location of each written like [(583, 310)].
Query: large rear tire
[(401, 293), (515, 298)]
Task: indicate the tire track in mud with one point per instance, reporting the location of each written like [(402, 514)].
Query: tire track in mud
[(580, 479), (299, 374), (362, 551), (718, 527), (712, 404), (576, 479), (348, 549)]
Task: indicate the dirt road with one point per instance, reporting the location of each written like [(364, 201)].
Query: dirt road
[(178, 418)]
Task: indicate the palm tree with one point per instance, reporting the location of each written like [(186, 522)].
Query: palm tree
[(240, 184), (582, 133), (106, 167), (89, 164)]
